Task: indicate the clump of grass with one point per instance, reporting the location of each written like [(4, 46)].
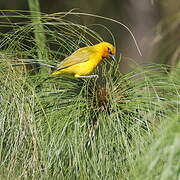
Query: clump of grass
[(161, 160), (98, 127)]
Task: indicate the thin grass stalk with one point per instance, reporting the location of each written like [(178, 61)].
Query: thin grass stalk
[(38, 29)]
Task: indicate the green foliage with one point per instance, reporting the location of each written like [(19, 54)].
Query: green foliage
[(161, 161), (66, 128)]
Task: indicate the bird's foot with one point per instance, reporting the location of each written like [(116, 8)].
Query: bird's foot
[(90, 76)]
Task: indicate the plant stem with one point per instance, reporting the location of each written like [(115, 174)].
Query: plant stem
[(38, 29)]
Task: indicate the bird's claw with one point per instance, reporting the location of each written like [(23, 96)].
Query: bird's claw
[(90, 76)]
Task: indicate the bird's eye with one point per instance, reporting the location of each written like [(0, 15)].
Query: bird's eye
[(109, 51)]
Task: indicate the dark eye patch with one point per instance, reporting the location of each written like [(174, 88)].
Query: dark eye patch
[(109, 51)]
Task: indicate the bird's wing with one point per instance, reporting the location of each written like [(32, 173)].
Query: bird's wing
[(79, 56)]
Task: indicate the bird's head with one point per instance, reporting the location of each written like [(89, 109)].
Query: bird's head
[(107, 49)]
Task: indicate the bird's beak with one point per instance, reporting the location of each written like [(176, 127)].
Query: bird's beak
[(112, 56)]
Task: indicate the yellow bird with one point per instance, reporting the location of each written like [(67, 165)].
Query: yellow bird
[(83, 61)]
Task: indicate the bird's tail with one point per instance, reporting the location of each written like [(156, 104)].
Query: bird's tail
[(22, 62)]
